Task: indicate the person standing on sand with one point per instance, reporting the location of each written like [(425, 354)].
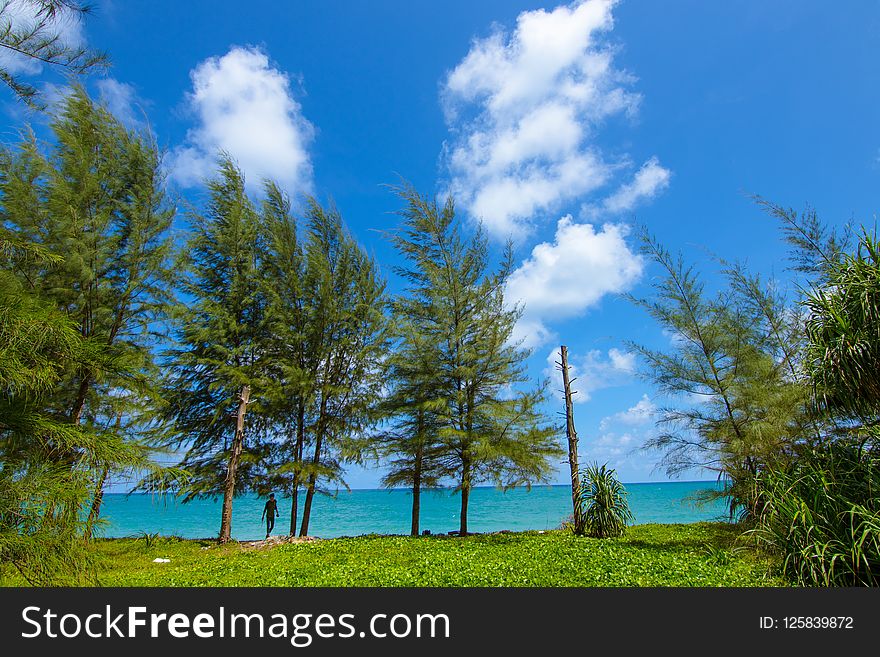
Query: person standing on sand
[(270, 511)]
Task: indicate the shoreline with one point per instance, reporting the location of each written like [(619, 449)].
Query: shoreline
[(283, 539)]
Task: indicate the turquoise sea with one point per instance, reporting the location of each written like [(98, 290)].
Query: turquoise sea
[(383, 511)]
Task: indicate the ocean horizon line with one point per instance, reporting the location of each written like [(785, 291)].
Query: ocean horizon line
[(451, 488)]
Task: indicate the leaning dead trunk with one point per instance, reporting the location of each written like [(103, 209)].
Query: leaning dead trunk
[(234, 460), (571, 434)]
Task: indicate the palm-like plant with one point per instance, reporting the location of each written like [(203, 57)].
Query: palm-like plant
[(821, 514), (843, 330), (604, 509)]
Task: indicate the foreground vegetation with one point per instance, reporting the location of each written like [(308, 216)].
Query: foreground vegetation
[(703, 554)]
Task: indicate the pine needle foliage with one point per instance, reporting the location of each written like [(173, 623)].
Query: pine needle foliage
[(216, 370), (741, 402), (491, 428), (43, 495), (31, 34), (92, 205)]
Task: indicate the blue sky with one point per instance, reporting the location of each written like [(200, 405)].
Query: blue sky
[(558, 125)]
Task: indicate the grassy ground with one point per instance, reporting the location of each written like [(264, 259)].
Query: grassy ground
[(702, 554)]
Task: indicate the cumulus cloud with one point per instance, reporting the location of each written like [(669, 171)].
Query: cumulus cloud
[(565, 277), (648, 181), (245, 106), (23, 15), (640, 414), (593, 371), (522, 109)]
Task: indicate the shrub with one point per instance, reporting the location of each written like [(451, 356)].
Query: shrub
[(604, 510), (821, 514)]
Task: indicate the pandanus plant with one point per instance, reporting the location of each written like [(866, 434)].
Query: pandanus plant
[(604, 509)]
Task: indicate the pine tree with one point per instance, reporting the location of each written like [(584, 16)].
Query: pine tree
[(346, 346), (738, 352), (95, 198), (291, 382), (218, 369), (490, 430), (43, 496), (410, 444)]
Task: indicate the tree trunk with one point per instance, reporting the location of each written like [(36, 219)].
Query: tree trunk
[(310, 491), (417, 493), (297, 461), (417, 475), (234, 459), (79, 403), (465, 495), (571, 434), (416, 507), (313, 478), (307, 505), (466, 463), (95, 511), (294, 505)]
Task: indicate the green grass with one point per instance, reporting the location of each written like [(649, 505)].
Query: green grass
[(700, 554)]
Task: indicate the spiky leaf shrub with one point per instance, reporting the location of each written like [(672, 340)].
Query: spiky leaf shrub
[(604, 509), (822, 516)]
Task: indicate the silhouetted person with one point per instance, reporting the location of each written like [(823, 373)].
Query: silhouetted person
[(270, 511)]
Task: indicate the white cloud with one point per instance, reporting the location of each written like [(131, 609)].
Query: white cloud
[(522, 109), (593, 371), (564, 278), (611, 447), (638, 415), (245, 107), (121, 100), (23, 15), (623, 361), (647, 182)]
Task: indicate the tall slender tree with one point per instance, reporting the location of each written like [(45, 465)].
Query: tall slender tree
[(44, 497), (96, 199), (410, 445), (348, 345), (218, 369), (737, 352), (290, 385), (491, 431)]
